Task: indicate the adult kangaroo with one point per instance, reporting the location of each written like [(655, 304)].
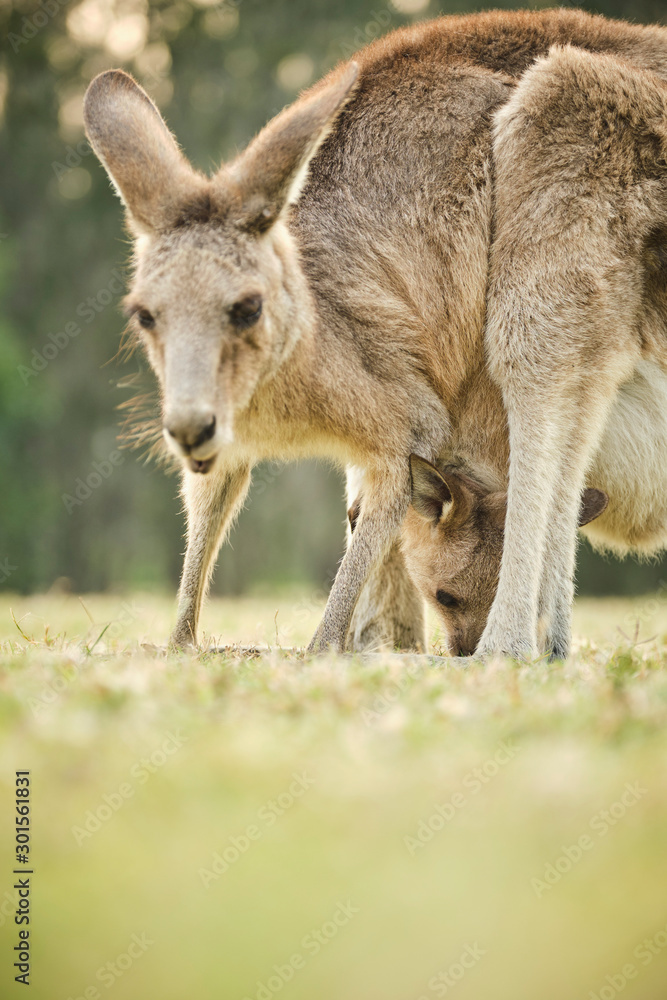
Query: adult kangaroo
[(324, 293)]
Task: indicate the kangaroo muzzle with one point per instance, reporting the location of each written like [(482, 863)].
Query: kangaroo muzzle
[(192, 434)]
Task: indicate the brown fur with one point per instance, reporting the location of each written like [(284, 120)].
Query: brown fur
[(573, 310), (453, 537), (576, 338), (372, 269)]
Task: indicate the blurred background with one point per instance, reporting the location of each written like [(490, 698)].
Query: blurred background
[(76, 513)]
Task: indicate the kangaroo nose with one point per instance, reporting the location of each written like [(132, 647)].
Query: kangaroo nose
[(459, 646), (191, 432), (466, 648)]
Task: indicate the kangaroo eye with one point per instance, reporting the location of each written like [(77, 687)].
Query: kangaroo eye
[(246, 312), (145, 319), (445, 599)]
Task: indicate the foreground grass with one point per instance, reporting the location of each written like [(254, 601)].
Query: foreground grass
[(333, 829)]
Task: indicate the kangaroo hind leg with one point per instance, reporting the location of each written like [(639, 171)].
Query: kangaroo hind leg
[(565, 307)]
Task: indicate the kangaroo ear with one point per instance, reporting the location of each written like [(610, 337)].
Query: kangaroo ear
[(430, 495), (272, 171), (593, 503), (145, 165)]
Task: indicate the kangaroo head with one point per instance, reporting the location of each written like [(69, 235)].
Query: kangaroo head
[(453, 544), (218, 298)]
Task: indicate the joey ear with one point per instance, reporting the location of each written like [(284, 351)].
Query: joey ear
[(429, 493), (271, 172), (593, 503), (145, 165), (495, 504)]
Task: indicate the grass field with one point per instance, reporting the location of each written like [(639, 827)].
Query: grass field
[(219, 828)]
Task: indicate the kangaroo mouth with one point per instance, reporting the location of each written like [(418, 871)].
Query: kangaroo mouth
[(202, 465)]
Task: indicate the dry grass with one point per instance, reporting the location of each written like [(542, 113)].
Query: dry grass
[(379, 745)]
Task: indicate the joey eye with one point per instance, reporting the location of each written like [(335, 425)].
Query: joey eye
[(445, 599), (146, 319), (246, 311)]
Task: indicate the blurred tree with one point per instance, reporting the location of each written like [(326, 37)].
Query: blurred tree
[(218, 71)]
